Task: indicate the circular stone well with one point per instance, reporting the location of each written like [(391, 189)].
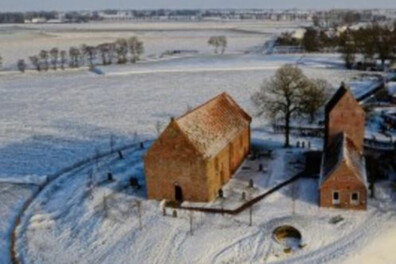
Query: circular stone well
[(289, 237)]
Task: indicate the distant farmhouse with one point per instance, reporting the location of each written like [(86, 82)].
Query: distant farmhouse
[(343, 181), (198, 152)]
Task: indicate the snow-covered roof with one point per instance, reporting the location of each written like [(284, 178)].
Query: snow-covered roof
[(342, 150), (211, 126)]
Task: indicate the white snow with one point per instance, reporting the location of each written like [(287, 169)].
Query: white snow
[(49, 121), (11, 200), (66, 223), (58, 118), (22, 41), (23, 179)]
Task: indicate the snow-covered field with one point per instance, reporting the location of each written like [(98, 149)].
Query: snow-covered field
[(49, 121), (72, 223), (57, 118), (22, 41)]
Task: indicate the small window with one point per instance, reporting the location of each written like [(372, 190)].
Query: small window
[(336, 197), (355, 198)]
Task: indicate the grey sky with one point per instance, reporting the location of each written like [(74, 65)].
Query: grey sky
[(24, 5)]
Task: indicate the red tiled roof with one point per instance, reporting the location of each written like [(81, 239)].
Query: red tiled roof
[(211, 126)]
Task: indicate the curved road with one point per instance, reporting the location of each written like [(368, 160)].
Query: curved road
[(13, 246)]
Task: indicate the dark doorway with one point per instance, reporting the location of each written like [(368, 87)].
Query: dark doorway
[(178, 194)]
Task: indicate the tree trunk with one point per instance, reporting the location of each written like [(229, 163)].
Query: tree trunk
[(287, 130)]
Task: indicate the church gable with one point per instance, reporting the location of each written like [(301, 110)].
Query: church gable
[(344, 114), (171, 144)]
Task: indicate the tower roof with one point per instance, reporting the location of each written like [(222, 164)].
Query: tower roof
[(342, 150)]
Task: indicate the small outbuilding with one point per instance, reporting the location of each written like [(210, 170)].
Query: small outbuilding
[(198, 152)]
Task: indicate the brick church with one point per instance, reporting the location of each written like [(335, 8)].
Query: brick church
[(198, 152), (343, 181)]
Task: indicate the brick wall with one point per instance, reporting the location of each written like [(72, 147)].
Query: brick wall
[(345, 183), (172, 160), (348, 116)]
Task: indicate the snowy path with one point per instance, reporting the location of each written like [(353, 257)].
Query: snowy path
[(343, 247), (72, 170), (79, 230)]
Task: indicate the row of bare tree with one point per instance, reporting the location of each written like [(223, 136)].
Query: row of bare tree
[(121, 51)]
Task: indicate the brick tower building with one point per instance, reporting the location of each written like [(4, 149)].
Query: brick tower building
[(343, 181)]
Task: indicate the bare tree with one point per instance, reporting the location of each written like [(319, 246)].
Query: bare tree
[(75, 57), (103, 52), (44, 59), (106, 51), (218, 42), (54, 57), (35, 62), (90, 53), (314, 96), (110, 52), (63, 58), (280, 97), (121, 48), (348, 49), (136, 48), (223, 43), (21, 65)]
